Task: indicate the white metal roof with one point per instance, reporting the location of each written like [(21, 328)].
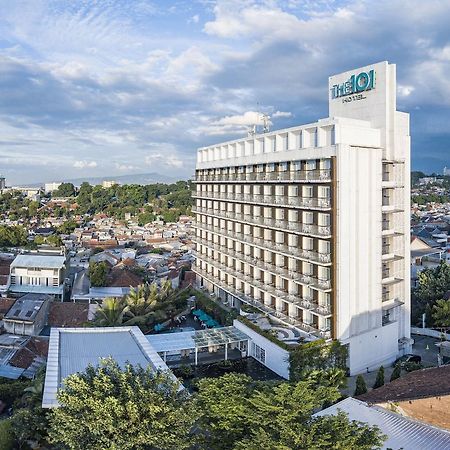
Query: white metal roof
[(401, 431), (41, 261), (71, 350)]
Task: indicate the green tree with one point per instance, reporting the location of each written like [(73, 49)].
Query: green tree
[(397, 372), (129, 409), (379, 381), (6, 435), (111, 312), (98, 273), (441, 313), (361, 387), (65, 190), (237, 413)]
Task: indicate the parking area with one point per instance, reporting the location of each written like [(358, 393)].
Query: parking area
[(427, 349)]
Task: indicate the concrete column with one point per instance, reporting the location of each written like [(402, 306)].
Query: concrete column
[(226, 352), (196, 355)]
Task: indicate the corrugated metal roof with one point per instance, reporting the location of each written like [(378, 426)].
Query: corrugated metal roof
[(71, 350), (401, 431), (10, 372), (78, 350), (41, 261)]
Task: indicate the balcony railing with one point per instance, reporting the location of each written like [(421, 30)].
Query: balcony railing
[(307, 280), (275, 200), (279, 224), (261, 306), (289, 251), (323, 175)]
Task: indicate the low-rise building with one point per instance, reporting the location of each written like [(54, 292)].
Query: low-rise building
[(38, 273), (27, 316)]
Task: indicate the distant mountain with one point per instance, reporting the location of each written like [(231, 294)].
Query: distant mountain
[(140, 178)]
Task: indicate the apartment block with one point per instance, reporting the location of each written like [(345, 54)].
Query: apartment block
[(310, 224)]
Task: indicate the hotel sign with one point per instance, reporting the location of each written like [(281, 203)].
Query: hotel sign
[(356, 84)]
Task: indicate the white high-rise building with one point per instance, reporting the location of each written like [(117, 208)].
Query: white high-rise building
[(311, 224)]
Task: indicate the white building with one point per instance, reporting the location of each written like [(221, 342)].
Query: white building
[(108, 183), (38, 273), (311, 224), (51, 187)]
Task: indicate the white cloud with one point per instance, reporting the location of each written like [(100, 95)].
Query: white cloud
[(163, 160), (85, 164), (283, 114), (248, 118)]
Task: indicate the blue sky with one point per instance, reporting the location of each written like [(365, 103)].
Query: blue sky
[(110, 87)]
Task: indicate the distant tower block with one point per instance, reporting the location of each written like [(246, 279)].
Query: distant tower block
[(2, 183)]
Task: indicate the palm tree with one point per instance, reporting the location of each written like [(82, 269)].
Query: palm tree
[(111, 313), (441, 313)]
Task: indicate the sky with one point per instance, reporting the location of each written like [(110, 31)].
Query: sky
[(115, 87)]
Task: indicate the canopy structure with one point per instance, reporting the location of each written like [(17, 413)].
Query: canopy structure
[(183, 343)]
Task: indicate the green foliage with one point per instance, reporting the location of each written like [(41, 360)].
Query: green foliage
[(433, 283), (379, 381), (317, 355), (361, 387), (67, 227), (237, 413), (111, 313), (30, 424), (267, 334), (441, 313), (14, 236), (11, 391), (129, 409), (98, 273), (411, 366), (214, 309), (65, 190), (6, 435), (397, 372)]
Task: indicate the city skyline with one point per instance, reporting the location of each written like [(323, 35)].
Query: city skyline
[(110, 88)]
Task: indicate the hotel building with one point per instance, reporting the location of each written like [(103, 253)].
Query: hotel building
[(311, 224)]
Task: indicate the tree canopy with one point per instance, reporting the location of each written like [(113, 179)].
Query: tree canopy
[(131, 409), (235, 413)]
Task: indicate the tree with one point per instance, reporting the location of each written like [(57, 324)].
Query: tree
[(397, 372), (380, 378), (441, 313), (109, 408), (65, 190), (361, 387), (98, 272), (237, 413), (111, 313), (6, 435)]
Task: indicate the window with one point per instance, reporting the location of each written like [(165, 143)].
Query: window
[(258, 353)]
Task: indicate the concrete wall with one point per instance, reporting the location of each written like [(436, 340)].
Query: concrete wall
[(277, 359), (369, 351)]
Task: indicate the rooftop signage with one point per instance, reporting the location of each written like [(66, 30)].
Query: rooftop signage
[(364, 81)]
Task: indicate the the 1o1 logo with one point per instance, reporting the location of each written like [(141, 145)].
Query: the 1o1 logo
[(364, 81)]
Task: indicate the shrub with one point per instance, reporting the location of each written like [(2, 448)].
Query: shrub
[(6, 435), (214, 309), (361, 387), (380, 378), (396, 372)]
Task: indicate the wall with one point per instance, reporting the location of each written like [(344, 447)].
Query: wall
[(277, 359), (369, 351)]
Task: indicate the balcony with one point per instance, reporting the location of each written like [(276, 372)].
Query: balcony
[(287, 250), (259, 305), (317, 175)]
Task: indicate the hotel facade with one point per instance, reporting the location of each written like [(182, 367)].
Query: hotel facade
[(311, 224)]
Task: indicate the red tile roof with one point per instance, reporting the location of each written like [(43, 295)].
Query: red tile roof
[(24, 357), (413, 385), (63, 314), (5, 305), (124, 278)]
